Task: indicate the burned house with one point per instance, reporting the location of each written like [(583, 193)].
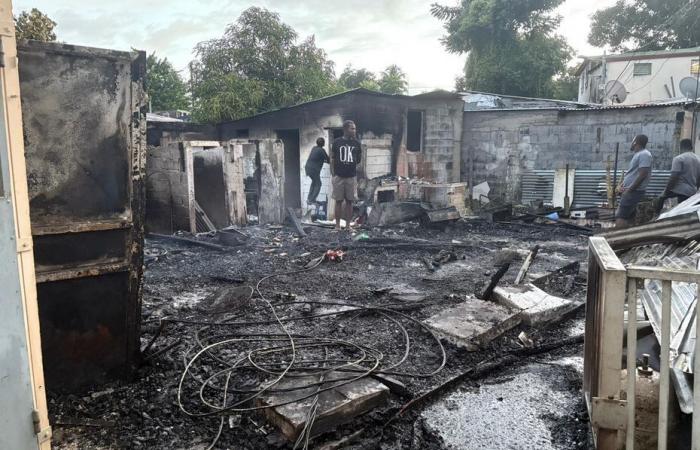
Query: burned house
[(518, 147), (426, 127), (416, 137)]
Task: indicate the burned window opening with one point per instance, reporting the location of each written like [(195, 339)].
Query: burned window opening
[(414, 131), (386, 196)]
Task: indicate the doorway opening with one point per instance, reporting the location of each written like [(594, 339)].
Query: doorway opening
[(292, 167), (333, 134), (210, 188)]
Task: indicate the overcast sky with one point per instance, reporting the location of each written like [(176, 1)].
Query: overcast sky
[(365, 33)]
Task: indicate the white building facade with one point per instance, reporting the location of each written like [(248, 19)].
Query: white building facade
[(638, 78)]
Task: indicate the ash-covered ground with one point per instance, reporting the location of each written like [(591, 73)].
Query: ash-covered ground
[(195, 297)]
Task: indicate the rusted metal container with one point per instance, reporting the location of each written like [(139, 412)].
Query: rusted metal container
[(84, 131)]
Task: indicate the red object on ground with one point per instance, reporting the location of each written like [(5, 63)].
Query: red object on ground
[(335, 255)]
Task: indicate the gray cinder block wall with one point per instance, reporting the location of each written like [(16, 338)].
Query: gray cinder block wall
[(170, 178), (505, 143), (442, 138)]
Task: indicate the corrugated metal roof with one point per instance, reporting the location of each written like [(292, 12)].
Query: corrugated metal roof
[(681, 255), (692, 51), (683, 308), (438, 94), (592, 107), (476, 101)]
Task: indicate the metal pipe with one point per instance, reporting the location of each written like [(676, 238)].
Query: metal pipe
[(673, 86), (664, 384), (631, 358)]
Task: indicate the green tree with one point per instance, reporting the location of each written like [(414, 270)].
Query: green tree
[(393, 81), (34, 25), (461, 84), (511, 46), (566, 86), (166, 89), (647, 25), (256, 66), (354, 78)]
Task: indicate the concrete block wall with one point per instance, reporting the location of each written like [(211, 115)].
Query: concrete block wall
[(377, 154), (504, 144), (169, 188), (442, 135)]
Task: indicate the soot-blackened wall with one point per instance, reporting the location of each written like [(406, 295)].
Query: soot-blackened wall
[(85, 133)]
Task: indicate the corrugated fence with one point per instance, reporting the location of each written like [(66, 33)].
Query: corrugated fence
[(589, 186)]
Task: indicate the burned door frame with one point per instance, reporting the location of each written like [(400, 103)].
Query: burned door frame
[(83, 343), (270, 157), (173, 162), (231, 154), (279, 133), (232, 165)]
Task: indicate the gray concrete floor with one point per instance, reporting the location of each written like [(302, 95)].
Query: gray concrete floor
[(534, 406)]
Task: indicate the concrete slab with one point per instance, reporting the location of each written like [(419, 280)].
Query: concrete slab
[(336, 406), (473, 324), (536, 306)]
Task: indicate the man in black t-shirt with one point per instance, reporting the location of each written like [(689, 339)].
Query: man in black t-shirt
[(313, 168), (346, 154)]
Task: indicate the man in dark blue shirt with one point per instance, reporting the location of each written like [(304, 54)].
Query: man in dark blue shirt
[(313, 168), (346, 154)]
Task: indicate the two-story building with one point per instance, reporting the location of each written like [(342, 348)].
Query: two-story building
[(640, 77)]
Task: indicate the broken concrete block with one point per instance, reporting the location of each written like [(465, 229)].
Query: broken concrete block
[(536, 306), (335, 406), (473, 324)]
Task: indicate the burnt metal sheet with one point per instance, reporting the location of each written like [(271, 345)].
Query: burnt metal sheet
[(76, 110), (84, 128), (684, 296), (679, 255), (83, 331)]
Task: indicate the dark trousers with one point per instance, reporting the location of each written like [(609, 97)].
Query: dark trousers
[(661, 200), (315, 186)]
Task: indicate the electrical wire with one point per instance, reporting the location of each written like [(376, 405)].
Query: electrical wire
[(667, 22), (264, 365)]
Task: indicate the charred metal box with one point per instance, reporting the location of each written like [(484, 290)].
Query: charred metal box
[(84, 131)]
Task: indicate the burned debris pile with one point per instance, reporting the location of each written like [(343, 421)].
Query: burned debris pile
[(271, 342)]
